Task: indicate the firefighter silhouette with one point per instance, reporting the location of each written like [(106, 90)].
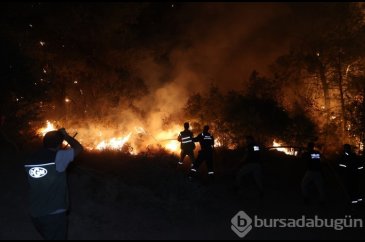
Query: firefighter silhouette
[(314, 174), (187, 144), (350, 167), (251, 164), (206, 141)]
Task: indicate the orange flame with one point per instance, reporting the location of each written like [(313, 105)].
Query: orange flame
[(102, 139), (173, 146), (99, 138), (113, 143), (48, 128), (288, 151)]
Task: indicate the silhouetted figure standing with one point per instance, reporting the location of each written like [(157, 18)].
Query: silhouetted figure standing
[(206, 141), (187, 144), (252, 164), (313, 174), (350, 167), (46, 172)]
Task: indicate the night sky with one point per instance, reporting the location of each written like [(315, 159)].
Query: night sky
[(217, 42)]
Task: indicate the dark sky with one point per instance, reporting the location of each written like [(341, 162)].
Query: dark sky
[(171, 46), (204, 42), (224, 42)]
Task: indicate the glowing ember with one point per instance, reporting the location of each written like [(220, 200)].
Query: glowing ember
[(48, 128), (288, 151)]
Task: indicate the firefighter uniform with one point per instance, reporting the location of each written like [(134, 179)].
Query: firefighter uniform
[(252, 165), (350, 167), (46, 173), (313, 174), (186, 139), (206, 141)]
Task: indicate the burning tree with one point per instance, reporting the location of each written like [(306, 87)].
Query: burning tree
[(356, 116), (317, 73)]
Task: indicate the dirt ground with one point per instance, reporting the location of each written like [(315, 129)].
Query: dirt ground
[(115, 196)]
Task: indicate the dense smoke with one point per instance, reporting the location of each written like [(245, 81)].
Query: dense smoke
[(216, 44), (137, 64)]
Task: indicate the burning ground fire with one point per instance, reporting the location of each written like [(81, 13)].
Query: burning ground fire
[(45, 130), (113, 143), (139, 137), (288, 151)]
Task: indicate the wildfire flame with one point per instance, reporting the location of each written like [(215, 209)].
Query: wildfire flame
[(288, 151), (101, 139), (140, 130), (173, 146), (50, 127), (43, 131), (168, 139), (218, 143), (114, 143)]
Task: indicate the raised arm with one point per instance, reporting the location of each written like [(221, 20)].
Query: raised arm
[(73, 142)]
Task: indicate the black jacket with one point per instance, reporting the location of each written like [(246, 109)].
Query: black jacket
[(186, 138), (253, 153), (313, 160), (350, 163), (206, 141), (48, 187)]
